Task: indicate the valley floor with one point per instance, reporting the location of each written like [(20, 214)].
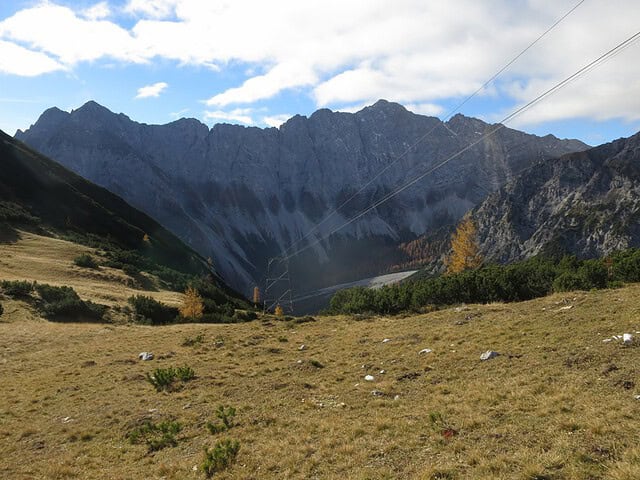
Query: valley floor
[(559, 402)]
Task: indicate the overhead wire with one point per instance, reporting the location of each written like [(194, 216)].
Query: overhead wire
[(591, 65), (426, 135)]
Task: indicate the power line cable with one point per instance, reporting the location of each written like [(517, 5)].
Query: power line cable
[(440, 123), (595, 63)]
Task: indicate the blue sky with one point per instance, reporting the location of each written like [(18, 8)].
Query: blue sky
[(259, 63)]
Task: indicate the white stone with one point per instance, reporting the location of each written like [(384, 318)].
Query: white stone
[(425, 350), (382, 372), (302, 347), (145, 356), (627, 339), (369, 378), (488, 355), (386, 340)]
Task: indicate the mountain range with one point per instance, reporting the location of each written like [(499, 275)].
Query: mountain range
[(585, 203), (243, 194), (41, 196)]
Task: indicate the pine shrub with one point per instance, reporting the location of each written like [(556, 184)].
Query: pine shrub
[(221, 457)]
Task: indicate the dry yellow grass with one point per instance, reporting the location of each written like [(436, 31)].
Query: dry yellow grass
[(558, 403), (50, 260)]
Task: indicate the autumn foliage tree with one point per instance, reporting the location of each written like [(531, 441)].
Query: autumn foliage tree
[(193, 306), (465, 254)]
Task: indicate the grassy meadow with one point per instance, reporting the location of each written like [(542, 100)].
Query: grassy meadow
[(559, 402)]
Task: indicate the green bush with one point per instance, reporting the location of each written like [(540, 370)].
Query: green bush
[(241, 316), (226, 416), (17, 288), (130, 270), (86, 261), (64, 304), (165, 378), (152, 311), (155, 435), (519, 281), (186, 373), (221, 457), (14, 213), (568, 281), (216, 318), (193, 341)]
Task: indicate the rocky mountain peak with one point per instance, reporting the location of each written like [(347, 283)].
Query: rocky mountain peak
[(243, 194)]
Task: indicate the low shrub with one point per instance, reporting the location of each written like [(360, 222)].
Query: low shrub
[(164, 379), (17, 288), (152, 311), (221, 457), (186, 373), (64, 304), (155, 435), (193, 341), (130, 270), (216, 318), (86, 261), (242, 316), (226, 415)]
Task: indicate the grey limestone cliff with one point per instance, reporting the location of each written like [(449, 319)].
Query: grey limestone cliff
[(585, 203), (241, 195)]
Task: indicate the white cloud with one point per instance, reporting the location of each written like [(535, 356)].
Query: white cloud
[(17, 60), (179, 113), (239, 115), (152, 90), (351, 53), (276, 120), (98, 11), (59, 32), (430, 109), (151, 8), (599, 95), (264, 86)]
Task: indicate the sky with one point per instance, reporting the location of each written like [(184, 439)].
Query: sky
[(258, 63)]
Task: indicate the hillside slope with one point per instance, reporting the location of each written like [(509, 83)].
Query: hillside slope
[(557, 403), (39, 196), (44, 259), (241, 195), (585, 203)]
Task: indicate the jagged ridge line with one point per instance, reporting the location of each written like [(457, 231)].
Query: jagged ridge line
[(601, 59), (423, 137)]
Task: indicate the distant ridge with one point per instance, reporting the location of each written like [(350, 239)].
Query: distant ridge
[(38, 194), (585, 203), (243, 194)]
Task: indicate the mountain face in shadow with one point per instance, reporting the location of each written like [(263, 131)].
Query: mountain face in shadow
[(242, 195)]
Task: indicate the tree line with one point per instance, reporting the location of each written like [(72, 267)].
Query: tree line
[(468, 280)]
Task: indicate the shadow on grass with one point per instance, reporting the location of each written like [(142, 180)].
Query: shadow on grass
[(8, 234)]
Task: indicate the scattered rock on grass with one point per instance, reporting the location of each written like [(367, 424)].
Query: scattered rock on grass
[(488, 355), (369, 378), (145, 356), (627, 339), (425, 350)]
